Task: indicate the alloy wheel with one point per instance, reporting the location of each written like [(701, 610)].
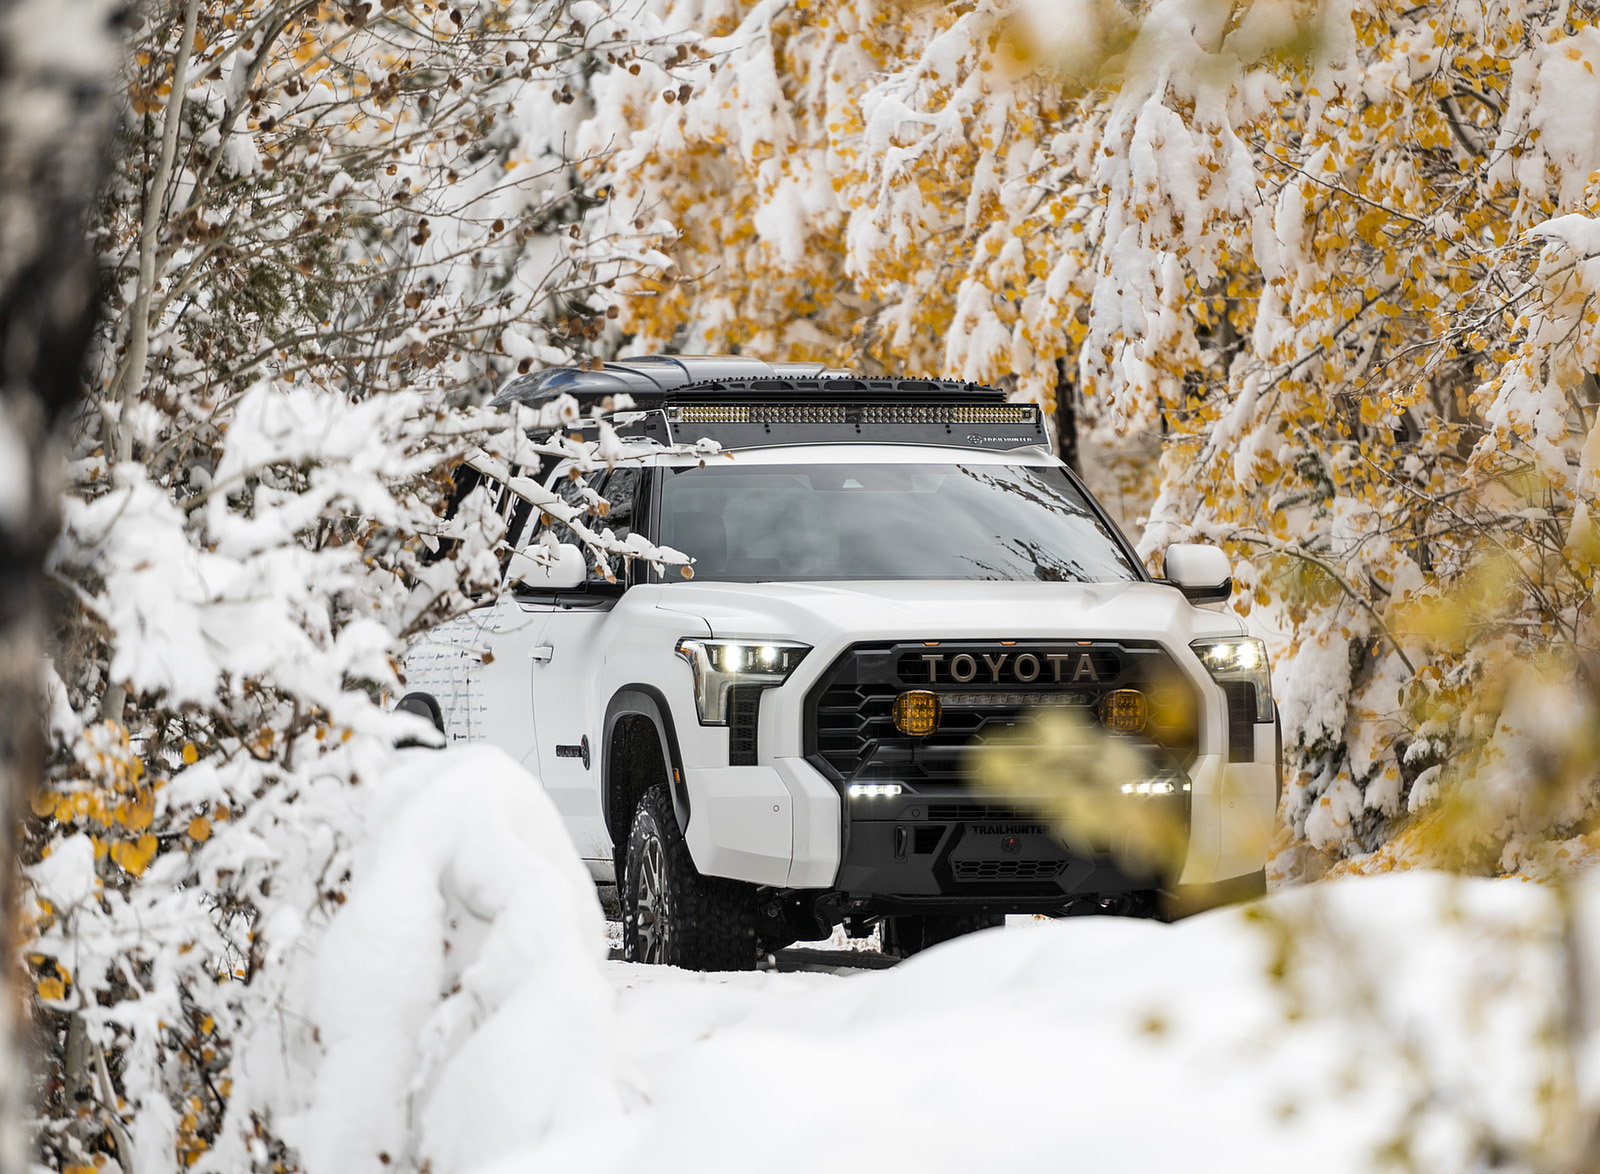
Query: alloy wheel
[(651, 913)]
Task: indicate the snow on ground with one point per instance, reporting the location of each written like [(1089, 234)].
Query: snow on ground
[(1296, 1034)]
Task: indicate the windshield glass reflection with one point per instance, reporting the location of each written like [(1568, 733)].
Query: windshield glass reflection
[(892, 521)]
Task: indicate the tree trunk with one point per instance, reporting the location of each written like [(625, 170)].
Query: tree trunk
[(1067, 417), (120, 447), (54, 110)]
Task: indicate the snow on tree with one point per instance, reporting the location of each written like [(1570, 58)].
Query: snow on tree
[(329, 233), (1339, 257)]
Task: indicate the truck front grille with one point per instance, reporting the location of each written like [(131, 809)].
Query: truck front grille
[(990, 691)]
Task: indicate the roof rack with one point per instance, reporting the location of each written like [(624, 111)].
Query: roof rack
[(745, 403), (763, 413), (646, 376)]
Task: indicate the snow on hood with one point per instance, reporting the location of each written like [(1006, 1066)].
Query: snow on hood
[(827, 614)]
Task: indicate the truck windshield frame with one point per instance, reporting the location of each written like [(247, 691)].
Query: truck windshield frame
[(954, 520)]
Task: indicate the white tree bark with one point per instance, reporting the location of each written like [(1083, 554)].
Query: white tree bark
[(133, 371)]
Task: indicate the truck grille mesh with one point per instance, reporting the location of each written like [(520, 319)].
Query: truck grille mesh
[(744, 707), (1019, 870)]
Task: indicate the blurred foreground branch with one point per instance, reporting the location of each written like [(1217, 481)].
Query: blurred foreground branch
[(56, 62)]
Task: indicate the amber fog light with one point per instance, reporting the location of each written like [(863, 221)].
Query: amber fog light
[(917, 713), (1123, 710)]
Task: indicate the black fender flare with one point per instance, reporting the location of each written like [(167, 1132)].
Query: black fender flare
[(649, 702), (1277, 731)]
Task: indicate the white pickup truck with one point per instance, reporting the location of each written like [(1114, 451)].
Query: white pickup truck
[(889, 576)]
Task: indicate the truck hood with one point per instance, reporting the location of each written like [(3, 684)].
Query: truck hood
[(835, 614)]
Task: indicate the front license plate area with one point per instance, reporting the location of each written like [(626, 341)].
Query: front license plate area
[(1024, 841)]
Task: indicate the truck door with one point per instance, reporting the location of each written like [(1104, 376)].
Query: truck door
[(567, 707), (476, 665)]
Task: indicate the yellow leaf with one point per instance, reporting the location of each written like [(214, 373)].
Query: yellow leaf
[(134, 857), (191, 754), (141, 814), (43, 803), (200, 829), (207, 1025), (52, 990)]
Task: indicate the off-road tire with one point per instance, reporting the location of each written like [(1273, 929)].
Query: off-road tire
[(424, 705), (670, 913), (911, 934)]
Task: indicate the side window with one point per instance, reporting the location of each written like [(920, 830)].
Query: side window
[(463, 480), (514, 509), (570, 490), (620, 490)]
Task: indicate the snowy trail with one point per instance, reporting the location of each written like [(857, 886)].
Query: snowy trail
[(1107, 1043), (459, 1013)]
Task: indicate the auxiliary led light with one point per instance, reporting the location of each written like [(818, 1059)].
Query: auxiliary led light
[(874, 790), (1123, 710), (917, 713)]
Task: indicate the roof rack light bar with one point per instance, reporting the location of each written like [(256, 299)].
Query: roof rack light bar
[(851, 413), (827, 388)]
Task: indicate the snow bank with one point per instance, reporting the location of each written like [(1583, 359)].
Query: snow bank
[(1107, 1044), (456, 1014), (455, 1004)]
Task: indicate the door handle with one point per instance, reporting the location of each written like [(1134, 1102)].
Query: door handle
[(541, 652)]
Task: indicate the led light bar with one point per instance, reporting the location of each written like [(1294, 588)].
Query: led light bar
[(709, 414), (852, 413), (1153, 787), (1016, 700), (947, 413), (874, 790)]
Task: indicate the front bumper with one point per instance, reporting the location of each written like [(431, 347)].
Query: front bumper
[(784, 825), (926, 848)]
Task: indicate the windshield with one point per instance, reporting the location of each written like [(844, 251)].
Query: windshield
[(890, 521)]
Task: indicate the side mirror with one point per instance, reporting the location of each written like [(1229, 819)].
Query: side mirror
[(561, 569), (1201, 572)]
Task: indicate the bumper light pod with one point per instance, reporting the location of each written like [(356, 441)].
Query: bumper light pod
[(917, 713), (1152, 787), (874, 790), (1123, 710)]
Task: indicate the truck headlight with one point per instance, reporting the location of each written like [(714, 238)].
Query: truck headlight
[(719, 665), (1239, 660)]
